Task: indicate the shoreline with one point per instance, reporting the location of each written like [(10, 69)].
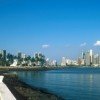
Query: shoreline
[(23, 91), (39, 68), (27, 68)]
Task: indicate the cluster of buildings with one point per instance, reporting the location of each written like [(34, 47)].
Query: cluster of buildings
[(88, 58), (21, 59), (7, 59), (65, 62), (50, 62)]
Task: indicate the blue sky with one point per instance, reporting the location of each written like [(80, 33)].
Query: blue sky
[(55, 27)]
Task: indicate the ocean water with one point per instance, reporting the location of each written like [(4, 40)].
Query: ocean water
[(69, 83)]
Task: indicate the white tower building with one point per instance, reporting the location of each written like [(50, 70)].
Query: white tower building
[(91, 56)]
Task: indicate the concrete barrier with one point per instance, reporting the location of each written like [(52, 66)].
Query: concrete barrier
[(5, 93), (0, 97), (1, 78)]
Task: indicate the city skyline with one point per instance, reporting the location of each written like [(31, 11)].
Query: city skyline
[(88, 55), (55, 28), (86, 58)]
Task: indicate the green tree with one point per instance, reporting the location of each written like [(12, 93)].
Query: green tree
[(42, 60), (0, 56), (0, 59), (33, 61), (10, 58)]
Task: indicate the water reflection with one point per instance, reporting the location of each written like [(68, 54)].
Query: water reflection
[(66, 83)]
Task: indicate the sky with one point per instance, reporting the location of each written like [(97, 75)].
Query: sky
[(56, 28)]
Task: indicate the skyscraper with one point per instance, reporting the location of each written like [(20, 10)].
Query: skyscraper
[(19, 55), (83, 55), (87, 59), (3, 53), (91, 56), (96, 60), (99, 59)]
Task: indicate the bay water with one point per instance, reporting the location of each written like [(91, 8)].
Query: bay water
[(68, 83)]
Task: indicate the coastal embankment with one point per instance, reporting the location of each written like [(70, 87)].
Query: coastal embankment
[(28, 68), (23, 91)]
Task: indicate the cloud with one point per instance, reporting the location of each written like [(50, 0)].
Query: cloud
[(83, 44), (45, 46), (97, 43)]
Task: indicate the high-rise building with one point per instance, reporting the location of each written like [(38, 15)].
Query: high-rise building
[(99, 59), (19, 55), (82, 59), (79, 61), (96, 60), (63, 63), (87, 59), (83, 55), (3, 53), (91, 56)]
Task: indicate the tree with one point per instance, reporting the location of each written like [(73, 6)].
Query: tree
[(33, 61), (10, 58), (42, 60), (0, 59), (0, 56), (28, 58)]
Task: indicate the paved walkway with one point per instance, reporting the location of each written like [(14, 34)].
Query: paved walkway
[(5, 93)]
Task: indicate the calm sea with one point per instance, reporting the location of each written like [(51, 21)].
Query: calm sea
[(69, 83)]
